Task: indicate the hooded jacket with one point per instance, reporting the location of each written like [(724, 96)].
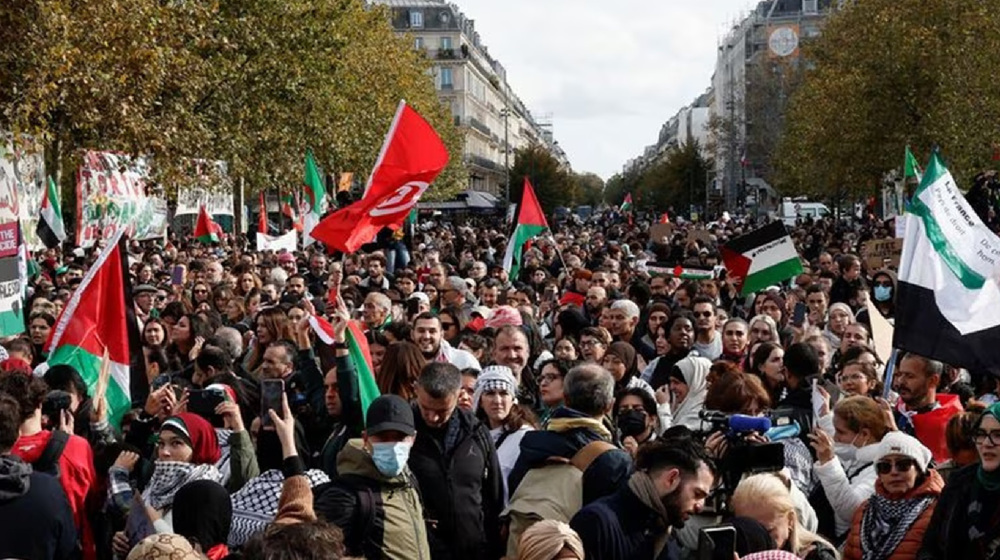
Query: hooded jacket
[(397, 530), (34, 513), (914, 537)]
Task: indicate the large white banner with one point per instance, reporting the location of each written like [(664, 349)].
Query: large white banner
[(111, 193), (212, 187), (287, 242), (22, 186)]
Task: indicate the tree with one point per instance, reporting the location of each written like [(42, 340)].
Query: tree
[(553, 185), (251, 82), (886, 74), (590, 188), (677, 181)]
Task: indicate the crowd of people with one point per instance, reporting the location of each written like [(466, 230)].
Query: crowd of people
[(590, 407)]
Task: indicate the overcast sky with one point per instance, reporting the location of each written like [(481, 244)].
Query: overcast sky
[(610, 72)]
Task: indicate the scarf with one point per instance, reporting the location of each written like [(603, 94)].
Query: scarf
[(695, 372), (256, 504), (169, 476), (643, 487), (885, 523), (592, 424), (990, 481)]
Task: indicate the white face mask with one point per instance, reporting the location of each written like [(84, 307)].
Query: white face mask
[(846, 452)]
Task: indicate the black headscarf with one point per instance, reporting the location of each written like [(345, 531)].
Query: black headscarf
[(203, 513)]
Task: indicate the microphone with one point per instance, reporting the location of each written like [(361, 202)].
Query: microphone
[(741, 423)]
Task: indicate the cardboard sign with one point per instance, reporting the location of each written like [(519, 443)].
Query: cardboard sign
[(658, 231), (877, 250), (701, 235)]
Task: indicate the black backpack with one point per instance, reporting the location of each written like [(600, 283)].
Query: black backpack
[(48, 461), (368, 519)]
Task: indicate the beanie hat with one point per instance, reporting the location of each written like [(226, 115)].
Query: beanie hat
[(898, 443), (494, 378), (198, 433)]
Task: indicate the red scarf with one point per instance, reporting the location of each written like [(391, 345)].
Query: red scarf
[(217, 552)]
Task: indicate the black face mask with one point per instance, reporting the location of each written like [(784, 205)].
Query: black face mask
[(632, 422)]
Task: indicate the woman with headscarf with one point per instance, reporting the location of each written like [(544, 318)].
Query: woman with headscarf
[(840, 316), (550, 540), (495, 404), (688, 387), (203, 514), (187, 450), (892, 523), (622, 361), (966, 521)]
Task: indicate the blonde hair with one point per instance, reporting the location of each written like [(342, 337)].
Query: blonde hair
[(771, 326), (772, 491)]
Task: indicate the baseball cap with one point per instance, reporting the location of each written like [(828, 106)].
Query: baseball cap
[(389, 413), (422, 297)]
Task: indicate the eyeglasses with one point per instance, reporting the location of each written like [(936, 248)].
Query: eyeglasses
[(852, 377), (549, 378), (901, 465), (589, 343), (981, 436), (201, 291)]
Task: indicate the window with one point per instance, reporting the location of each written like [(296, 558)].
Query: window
[(416, 18), (418, 43), (446, 82), (809, 6), (446, 43)]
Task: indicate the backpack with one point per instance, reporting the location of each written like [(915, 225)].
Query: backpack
[(368, 514), (48, 461), (552, 491)]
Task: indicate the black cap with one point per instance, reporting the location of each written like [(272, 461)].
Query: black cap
[(390, 413)]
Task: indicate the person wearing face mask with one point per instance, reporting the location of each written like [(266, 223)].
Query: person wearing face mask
[(845, 462), (375, 501), (636, 418), (883, 295)]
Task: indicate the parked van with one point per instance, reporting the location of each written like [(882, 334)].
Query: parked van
[(795, 209)]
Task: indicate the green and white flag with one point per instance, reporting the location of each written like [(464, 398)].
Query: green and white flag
[(315, 195), (530, 223)]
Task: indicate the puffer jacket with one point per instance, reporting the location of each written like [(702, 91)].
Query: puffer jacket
[(395, 528), (912, 541)]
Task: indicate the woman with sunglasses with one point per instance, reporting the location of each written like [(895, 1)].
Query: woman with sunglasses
[(892, 523), (966, 521)]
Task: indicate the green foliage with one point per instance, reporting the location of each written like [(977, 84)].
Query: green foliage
[(554, 186), (251, 82), (887, 74), (674, 182), (590, 189)]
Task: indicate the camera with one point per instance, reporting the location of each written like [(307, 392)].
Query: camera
[(744, 452), (55, 402)]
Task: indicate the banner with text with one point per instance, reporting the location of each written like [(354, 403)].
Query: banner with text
[(22, 186), (211, 187), (111, 193)]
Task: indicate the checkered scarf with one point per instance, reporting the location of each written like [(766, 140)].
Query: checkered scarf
[(885, 523), (256, 504), (169, 476)]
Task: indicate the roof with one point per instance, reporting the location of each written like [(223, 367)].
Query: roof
[(411, 3)]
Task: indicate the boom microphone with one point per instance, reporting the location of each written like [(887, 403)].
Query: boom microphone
[(741, 423)]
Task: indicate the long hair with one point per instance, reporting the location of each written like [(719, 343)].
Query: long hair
[(773, 492), (518, 417), (400, 370), (276, 321)]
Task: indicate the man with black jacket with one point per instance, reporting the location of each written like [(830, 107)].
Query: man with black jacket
[(34, 513), (456, 466)]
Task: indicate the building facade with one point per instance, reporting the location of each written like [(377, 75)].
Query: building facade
[(474, 85)]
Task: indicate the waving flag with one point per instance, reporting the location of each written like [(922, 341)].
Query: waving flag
[(761, 258), (626, 204), (412, 157), (530, 223), (205, 229), (262, 216), (948, 300), (359, 354), (50, 228), (315, 194), (97, 321)]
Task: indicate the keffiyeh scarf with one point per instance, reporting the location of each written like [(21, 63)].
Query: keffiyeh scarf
[(256, 504), (169, 476), (885, 523)]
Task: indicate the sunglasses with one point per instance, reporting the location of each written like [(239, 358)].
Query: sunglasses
[(447, 325), (705, 314), (901, 465)]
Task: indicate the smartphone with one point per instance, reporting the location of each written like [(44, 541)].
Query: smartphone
[(159, 381), (717, 543), (203, 402), (799, 315), (271, 391), (177, 275)]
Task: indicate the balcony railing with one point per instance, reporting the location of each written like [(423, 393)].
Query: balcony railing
[(476, 124), (446, 54), (483, 162)]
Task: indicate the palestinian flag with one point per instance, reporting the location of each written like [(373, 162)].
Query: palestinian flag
[(98, 321), (315, 194), (13, 279), (358, 353), (761, 258), (662, 269), (262, 216), (205, 229), (50, 227), (626, 204), (530, 223), (948, 295), (911, 170), (665, 218)]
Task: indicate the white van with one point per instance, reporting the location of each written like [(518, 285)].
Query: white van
[(794, 209)]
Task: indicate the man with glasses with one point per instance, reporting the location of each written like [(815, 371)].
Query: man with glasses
[(708, 340), (922, 411)]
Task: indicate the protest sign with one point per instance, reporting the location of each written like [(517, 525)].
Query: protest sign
[(877, 251), (276, 243), (22, 186), (110, 193), (657, 233)]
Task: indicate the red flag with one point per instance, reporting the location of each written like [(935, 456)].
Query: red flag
[(262, 219), (665, 218), (412, 157)]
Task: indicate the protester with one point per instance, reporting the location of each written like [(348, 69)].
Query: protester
[(766, 498)]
